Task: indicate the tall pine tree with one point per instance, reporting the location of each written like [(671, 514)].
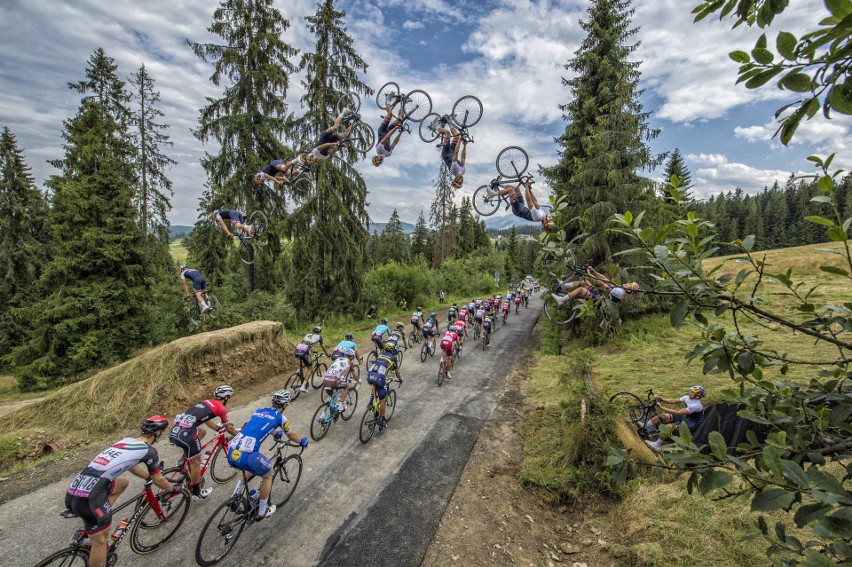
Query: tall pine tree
[(155, 188), (24, 240), (394, 245), (442, 215), (420, 243), (604, 144), (94, 289), (329, 238), (247, 121)]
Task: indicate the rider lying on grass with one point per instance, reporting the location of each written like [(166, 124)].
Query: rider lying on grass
[(692, 414)]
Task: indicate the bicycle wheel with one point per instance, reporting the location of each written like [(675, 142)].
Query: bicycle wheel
[(214, 306), (221, 531), (246, 251), (560, 314), (349, 101), (294, 383), (467, 111), (68, 557), (194, 313), (351, 404), (411, 339), (362, 137), (512, 161), (432, 348), (635, 407), (424, 351), (399, 356), (418, 105), (441, 374), (285, 479), (220, 471), (485, 204), (321, 421), (428, 129), (371, 358), (387, 90), (368, 424), (150, 532), (259, 221), (300, 188), (318, 374), (390, 405)]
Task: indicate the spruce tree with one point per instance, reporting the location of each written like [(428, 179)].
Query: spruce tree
[(420, 245), (103, 86), (394, 245), (466, 241), (442, 216), (155, 188), (24, 241), (676, 166), (329, 238), (604, 143), (248, 120), (93, 309)]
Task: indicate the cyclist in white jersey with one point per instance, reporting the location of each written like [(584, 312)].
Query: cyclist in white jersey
[(338, 376)]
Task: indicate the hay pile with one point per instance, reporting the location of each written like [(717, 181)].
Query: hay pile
[(165, 380)]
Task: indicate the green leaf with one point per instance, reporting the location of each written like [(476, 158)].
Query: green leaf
[(820, 220), (841, 98), (745, 414), (772, 499), (808, 513), (717, 445), (761, 42), (748, 243), (797, 82), (763, 77), (678, 313), (739, 56), (821, 199), (794, 473), (628, 218), (713, 480), (837, 234), (762, 56), (786, 45), (834, 270), (839, 8), (817, 559)]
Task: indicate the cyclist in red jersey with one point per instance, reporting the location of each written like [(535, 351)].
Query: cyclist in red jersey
[(449, 342), (186, 435), (460, 329)]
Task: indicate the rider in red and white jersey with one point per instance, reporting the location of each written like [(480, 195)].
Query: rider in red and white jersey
[(449, 342)]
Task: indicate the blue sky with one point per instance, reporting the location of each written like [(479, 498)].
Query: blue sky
[(509, 53)]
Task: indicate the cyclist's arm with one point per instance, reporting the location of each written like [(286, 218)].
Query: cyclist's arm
[(322, 147), (185, 289), (159, 480), (293, 437)]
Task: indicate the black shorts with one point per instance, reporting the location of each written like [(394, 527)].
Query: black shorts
[(327, 138), (95, 511), (187, 439)]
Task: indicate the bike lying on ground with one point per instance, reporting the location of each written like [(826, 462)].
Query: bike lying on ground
[(640, 412)]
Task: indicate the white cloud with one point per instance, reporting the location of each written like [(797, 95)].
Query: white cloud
[(412, 25), (721, 175)]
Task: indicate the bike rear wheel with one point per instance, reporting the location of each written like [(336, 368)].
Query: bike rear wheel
[(371, 358), (512, 161), (362, 138), (467, 111), (351, 404), (368, 424), (68, 557), (246, 251), (259, 222), (318, 374), (321, 421), (222, 530), (485, 204), (635, 409), (442, 373), (424, 351), (418, 105), (434, 344), (383, 93), (390, 404), (484, 338), (214, 308), (294, 383), (220, 471), (150, 533), (560, 314), (428, 133), (285, 479)]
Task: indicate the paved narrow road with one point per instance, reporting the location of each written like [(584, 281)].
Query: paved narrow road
[(367, 505)]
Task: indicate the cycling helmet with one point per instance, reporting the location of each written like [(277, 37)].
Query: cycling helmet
[(698, 391), (400, 326), (184, 267), (154, 425), (281, 397), (317, 329), (457, 182), (377, 160), (384, 321), (390, 345), (419, 308), (433, 314), (223, 391), (350, 337), (348, 352)]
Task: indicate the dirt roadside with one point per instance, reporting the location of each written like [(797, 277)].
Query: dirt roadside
[(493, 520)]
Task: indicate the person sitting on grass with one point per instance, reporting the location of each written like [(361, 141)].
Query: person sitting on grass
[(587, 289), (692, 414)]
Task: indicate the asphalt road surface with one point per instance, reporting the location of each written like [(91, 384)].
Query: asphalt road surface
[(369, 505)]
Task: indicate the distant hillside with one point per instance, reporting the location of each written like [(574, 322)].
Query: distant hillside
[(407, 227), (178, 231), (503, 222)]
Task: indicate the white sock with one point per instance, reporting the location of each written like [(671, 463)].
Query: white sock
[(238, 488), (261, 508), (204, 305)]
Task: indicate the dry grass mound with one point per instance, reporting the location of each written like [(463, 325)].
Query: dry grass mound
[(164, 380)]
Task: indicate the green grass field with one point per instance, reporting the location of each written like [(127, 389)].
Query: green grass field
[(177, 250)]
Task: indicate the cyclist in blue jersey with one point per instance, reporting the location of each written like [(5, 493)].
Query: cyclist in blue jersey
[(377, 377), (303, 353), (397, 337), (199, 285), (431, 327), (237, 218), (342, 346), (244, 449), (379, 333)]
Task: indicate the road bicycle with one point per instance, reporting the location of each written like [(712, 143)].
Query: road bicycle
[(154, 521), (640, 412), (442, 366), (371, 415), (327, 413), (416, 105), (476, 330), (198, 318), (227, 522), (297, 378), (360, 135), (428, 348), (258, 221), (485, 340), (214, 457), (414, 337), (466, 113), (512, 163)]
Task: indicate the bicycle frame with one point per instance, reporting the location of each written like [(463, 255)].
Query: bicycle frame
[(217, 439), (146, 496)]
